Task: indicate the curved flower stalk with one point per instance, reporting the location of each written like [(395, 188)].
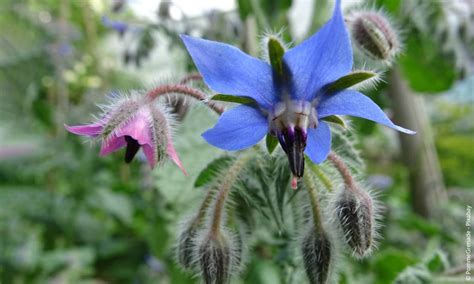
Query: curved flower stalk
[(290, 97)]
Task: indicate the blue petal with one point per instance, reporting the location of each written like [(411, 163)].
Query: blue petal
[(238, 128), (350, 102), (229, 71), (321, 59), (318, 144)]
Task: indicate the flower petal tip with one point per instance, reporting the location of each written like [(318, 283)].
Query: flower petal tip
[(91, 130), (171, 151), (405, 130)]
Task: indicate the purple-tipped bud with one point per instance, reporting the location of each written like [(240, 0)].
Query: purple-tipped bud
[(374, 35), (215, 259), (355, 214), (318, 256)]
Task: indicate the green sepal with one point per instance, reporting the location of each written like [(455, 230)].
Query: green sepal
[(335, 119), (271, 142), (275, 54), (350, 80), (232, 99)]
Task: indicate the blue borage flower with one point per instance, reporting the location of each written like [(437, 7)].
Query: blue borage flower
[(290, 106)]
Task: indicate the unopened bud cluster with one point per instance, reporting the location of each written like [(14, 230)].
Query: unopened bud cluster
[(207, 244)]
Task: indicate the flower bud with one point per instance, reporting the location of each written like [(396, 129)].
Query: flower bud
[(318, 256), (355, 215), (185, 248), (216, 259), (374, 35)]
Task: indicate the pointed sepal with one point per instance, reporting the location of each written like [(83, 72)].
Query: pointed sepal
[(275, 54), (232, 99), (351, 79), (336, 119), (271, 142)]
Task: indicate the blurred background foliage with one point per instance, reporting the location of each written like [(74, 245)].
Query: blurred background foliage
[(69, 216)]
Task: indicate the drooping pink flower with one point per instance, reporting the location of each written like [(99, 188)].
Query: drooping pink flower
[(134, 123)]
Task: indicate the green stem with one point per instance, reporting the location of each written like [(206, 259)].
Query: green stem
[(323, 177), (230, 177), (313, 198), (343, 170), (199, 219)]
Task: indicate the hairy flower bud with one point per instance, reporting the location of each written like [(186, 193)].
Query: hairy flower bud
[(355, 215), (216, 259), (185, 247), (318, 256), (375, 35)]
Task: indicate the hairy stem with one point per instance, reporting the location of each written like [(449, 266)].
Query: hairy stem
[(313, 198), (226, 185), (184, 90), (191, 77), (199, 219), (322, 176), (343, 170)]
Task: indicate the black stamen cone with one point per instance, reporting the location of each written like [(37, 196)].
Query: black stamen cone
[(293, 143), (132, 149)]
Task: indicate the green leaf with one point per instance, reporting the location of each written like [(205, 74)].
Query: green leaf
[(276, 52), (335, 119), (425, 67), (390, 262), (116, 204), (393, 7), (232, 99), (212, 170), (245, 8), (438, 262), (351, 79), (271, 142)]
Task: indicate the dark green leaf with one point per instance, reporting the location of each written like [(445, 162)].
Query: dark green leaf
[(390, 6), (276, 52), (351, 79), (271, 142), (437, 263), (232, 99), (212, 170)]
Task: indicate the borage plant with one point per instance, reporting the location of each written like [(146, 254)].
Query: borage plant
[(295, 98)]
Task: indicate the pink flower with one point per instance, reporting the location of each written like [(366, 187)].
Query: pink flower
[(133, 123)]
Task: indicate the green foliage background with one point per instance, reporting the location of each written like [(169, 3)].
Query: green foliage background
[(70, 216)]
